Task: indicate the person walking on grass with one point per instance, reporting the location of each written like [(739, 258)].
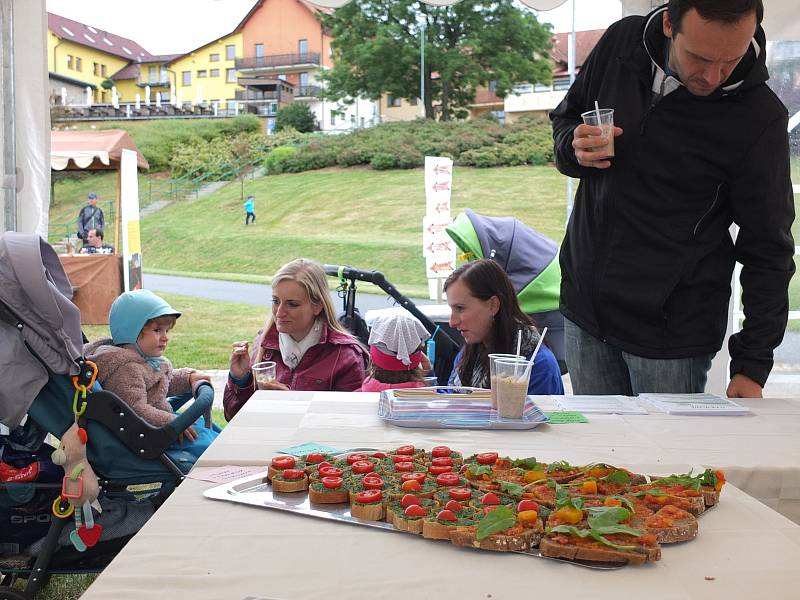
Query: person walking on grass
[(249, 210)]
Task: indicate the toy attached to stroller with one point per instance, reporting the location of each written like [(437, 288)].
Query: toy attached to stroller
[(112, 460)]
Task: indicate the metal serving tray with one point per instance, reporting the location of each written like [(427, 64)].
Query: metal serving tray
[(255, 490)]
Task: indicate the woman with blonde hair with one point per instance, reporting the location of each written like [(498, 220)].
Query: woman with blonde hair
[(302, 335)]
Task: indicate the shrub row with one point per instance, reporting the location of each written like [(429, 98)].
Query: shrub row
[(478, 143)]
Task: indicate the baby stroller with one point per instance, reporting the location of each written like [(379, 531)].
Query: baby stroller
[(45, 386), (445, 346), (529, 258)]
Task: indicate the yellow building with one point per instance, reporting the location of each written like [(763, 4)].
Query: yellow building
[(151, 76), (81, 55), (207, 75)]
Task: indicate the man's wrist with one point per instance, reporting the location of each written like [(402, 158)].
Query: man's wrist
[(241, 381)]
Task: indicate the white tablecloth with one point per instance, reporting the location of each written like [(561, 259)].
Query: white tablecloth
[(199, 548)]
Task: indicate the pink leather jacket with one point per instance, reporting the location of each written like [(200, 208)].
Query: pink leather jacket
[(336, 364)]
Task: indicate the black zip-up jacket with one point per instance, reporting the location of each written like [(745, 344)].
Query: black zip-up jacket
[(647, 259)]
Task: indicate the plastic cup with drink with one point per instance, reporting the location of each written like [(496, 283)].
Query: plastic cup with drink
[(264, 373), (511, 386), (492, 385), (604, 119)]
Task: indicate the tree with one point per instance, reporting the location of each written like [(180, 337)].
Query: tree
[(295, 115), (376, 49)]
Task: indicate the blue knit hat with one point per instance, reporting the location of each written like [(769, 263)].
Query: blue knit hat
[(92, 196), (131, 310)]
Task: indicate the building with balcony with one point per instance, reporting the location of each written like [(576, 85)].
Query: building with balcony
[(81, 56), (285, 48), (146, 80), (532, 99)]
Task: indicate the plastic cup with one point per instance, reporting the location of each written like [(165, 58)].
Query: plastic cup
[(264, 373), (511, 382), (604, 119), (492, 358)]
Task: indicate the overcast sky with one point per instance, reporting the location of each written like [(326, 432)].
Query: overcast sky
[(173, 26)]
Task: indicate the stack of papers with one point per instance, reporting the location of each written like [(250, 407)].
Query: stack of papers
[(602, 405), (694, 404)]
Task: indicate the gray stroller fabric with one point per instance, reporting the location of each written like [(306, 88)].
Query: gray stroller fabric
[(118, 519), (36, 295)]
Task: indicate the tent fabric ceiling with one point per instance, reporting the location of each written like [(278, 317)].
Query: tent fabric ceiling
[(91, 149), (781, 21)]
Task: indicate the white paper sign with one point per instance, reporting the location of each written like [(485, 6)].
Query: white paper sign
[(438, 248)]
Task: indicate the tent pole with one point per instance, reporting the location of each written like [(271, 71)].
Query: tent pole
[(9, 168), (117, 208)]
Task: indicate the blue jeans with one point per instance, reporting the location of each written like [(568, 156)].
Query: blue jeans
[(598, 368)]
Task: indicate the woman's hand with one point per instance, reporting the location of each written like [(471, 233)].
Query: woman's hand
[(240, 359), (197, 376)]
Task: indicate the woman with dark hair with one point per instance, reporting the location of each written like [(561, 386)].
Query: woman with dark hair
[(484, 309)]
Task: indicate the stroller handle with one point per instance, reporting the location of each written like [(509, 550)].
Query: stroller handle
[(204, 399), (375, 277)]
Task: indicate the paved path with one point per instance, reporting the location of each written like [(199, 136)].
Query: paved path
[(257, 294)]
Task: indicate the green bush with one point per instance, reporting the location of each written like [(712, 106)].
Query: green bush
[(296, 115), (275, 160), (314, 155)]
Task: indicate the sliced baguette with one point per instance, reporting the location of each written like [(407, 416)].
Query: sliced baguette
[(498, 542), (338, 496), (367, 512), (290, 486), (599, 553)]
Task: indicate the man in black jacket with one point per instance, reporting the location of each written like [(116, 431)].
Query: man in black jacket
[(700, 143), (90, 217)]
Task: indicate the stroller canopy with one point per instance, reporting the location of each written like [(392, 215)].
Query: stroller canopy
[(529, 258), (36, 315)]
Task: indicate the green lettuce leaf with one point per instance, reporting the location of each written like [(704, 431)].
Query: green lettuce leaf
[(512, 489), (476, 470), (495, 521), (584, 533), (617, 476)]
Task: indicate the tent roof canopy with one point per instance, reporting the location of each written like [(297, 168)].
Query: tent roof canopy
[(91, 150)]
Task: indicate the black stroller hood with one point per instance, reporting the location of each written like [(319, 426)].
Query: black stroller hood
[(36, 315)]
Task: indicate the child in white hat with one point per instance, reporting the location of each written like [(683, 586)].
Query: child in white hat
[(397, 354)]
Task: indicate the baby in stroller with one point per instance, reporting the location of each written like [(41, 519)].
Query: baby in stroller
[(131, 363), (47, 385)]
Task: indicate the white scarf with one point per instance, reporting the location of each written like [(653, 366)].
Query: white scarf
[(292, 352)]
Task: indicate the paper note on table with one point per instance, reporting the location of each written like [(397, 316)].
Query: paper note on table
[(308, 447), (695, 404), (560, 417), (222, 474), (608, 405)]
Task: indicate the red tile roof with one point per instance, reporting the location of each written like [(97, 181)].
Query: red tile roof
[(98, 39)]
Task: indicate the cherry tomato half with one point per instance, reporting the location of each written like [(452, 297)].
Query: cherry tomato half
[(415, 475), (448, 479), (332, 483), (487, 458), (397, 458), (454, 505), (404, 466), (407, 449), (412, 485), (409, 500), (293, 474), (460, 493), (447, 515), (439, 451), (415, 510), (524, 505), (330, 472), (372, 483), (440, 461), (439, 469), (284, 462), (313, 458), (369, 496), (324, 463), (351, 458), (362, 466), (378, 455), (490, 499)]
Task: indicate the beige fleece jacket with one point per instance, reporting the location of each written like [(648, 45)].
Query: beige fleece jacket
[(124, 372)]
